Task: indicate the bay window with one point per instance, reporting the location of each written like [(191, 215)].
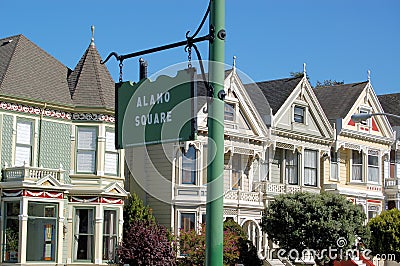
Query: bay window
[(86, 150), (357, 163), (392, 170), (84, 234), (291, 168), (334, 165), (11, 231), (188, 168), (310, 167), (373, 168), (111, 154), (236, 171), (42, 231), (24, 143), (110, 240)]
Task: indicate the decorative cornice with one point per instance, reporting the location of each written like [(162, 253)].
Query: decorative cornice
[(301, 137), (366, 137), (98, 117)]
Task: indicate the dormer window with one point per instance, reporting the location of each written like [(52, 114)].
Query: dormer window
[(299, 114), (229, 112)]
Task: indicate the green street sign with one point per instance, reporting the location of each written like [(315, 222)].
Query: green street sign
[(154, 112)]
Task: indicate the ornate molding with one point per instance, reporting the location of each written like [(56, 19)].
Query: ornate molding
[(56, 113)]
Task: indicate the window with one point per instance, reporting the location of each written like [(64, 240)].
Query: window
[(299, 114), (11, 232), (188, 221), (373, 168), (334, 165), (236, 171), (189, 166), (23, 145), (205, 163), (83, 234), (357, 165), (111, 154), (86, 150), (229, 112), (392, 171), (42, 231), (310, 168), (110, 235), (291, 167)]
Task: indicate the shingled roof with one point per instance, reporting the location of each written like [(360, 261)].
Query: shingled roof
[(91, 85), (27, 72), (391, 104), (275, 91), (336, 101)]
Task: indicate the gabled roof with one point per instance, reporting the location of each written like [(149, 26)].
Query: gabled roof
[(91, 85), (336, 101), (275, 91), (28, 72), (391, 104)]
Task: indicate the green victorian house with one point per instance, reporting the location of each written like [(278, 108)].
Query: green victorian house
[(62, 181)]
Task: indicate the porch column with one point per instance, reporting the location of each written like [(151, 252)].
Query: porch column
[(98, 237), (60, 237), (23, 218)]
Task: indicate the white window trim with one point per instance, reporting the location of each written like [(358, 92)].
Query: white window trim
[(114, 152), (235, 103), (198, 164), (317, 152), (338, 167), (300, 104), (96, 149), (32, 144), (188, 211), (362, 168), (379, 166)]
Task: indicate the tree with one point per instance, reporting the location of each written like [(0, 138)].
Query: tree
[(134, 210), (146, 243), (237, 249), (327, 82), (385, 233), (301, 221)]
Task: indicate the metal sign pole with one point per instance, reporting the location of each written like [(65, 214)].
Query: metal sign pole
[(215, 170)]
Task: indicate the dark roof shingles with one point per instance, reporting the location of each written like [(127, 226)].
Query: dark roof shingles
[(336, 101), (391, 104)]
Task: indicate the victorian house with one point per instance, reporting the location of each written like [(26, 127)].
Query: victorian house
[(391, 105), (360, 149), (62, 181), (171, 178), (300, 138)]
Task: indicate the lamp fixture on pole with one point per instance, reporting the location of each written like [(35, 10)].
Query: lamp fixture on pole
[(364, 116)]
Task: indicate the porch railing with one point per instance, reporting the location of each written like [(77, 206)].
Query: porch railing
[(28, 172)]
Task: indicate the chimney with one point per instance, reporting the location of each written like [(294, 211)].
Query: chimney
[(142, 69)]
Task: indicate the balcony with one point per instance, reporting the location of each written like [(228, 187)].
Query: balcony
[(392, 184), (198, 195), (23, 173), (272, 189), (238, 197)]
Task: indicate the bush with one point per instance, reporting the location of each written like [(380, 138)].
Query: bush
[(146, 243)]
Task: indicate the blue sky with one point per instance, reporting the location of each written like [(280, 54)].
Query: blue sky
[(339, 40)]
